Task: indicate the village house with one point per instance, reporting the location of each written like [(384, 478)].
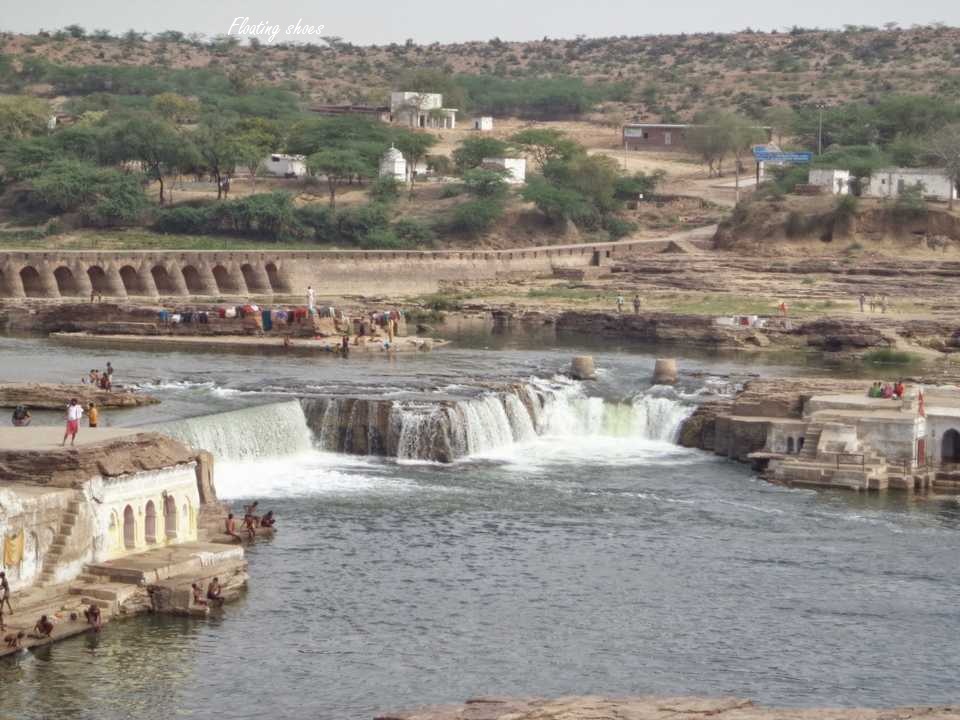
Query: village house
[(421, 110), (514, 169), (285, 166), (378, 112), (484, 123), (654, 136), (394, 165), (886, 182)]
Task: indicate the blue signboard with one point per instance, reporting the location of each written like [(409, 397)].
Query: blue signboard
[(763, 155)]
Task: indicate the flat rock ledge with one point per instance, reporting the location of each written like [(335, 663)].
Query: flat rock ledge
[(654, 708), (53, 396), (70, 467)]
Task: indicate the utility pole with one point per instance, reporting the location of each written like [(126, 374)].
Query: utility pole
[(820, 130)]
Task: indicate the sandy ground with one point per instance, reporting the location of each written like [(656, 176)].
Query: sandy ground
[(48, 437)]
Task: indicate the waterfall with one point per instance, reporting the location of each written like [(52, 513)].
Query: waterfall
[(262, 431), (442, 430)]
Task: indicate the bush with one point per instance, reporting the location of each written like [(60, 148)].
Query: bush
[(383, 239), (414, 232), (476, 216), (630, 186), (184, 220), (452, 190), (485, 183), (888, 356), (385, 189), (910, 204), (845, 207), (618, 227), (356, 223), (320, 221)]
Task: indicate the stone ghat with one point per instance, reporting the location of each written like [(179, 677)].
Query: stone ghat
[(51, 396), (654, 708)]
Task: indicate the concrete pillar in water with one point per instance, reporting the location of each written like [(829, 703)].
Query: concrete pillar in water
[(208, 282), (665, 371), (237, 279), (582, 367), (177, 283), (49, 281), (260, 280), (115, 286)]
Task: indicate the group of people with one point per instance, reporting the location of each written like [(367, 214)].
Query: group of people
[(251, 521), (102, 379), (74, 414), (44, 627), (887, 391), (874, 301), (214, 595), (636, 304)]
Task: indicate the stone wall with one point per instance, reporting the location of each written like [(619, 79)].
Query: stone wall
[(171, 273)]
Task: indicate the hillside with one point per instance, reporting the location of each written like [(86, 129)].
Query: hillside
[(657, 77)]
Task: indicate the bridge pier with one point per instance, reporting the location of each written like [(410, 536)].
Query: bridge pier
[(258, 281), (115, 286), (176, 279), (12, 284), (145, 278), (48, 281), (208, 283), (237, 281), (81, 279)]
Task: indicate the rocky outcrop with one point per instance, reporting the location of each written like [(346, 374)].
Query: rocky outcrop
[(649, 327), (652, 707), (51, 396), (840, 334), (700, 429), (71, 467)]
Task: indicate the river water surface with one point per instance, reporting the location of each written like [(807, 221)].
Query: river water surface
[(593, 557)]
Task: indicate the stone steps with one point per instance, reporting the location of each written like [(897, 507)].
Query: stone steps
[(68, 521)]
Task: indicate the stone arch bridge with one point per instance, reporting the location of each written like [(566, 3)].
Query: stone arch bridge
[(165, 273)]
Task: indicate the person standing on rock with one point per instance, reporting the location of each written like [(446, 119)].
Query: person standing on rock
[(620, 304), (311, 299), (636, 304), (93, 415), (863, 301), (74, 413), (5, 592)]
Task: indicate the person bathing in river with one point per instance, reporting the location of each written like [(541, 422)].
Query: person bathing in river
[(21, 416), (43, 628), (14, 642), (250, 523), (268, 521), (198, 595), (92, 614), (231, 528), (215, 592)]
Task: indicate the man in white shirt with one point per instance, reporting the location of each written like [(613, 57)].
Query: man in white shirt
[(311, 298), (74, 413)]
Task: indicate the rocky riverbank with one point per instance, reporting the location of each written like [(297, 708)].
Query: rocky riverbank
[(54, 396), (654, 708)]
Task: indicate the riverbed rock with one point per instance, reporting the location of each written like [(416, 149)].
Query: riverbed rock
[(582, 367), (651, 707), (71, 467), (52, 396), (665, 371)]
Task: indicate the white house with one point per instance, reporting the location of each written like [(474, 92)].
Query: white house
[(394, 165), (422, 110), (835, 182), (287, 166), (891, 182), (516, 168), (484, 123)]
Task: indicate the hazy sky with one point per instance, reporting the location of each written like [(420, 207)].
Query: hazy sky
[(384, 21)]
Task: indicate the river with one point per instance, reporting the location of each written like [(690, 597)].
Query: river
[(591, 556)]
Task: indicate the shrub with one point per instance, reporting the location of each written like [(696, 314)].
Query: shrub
[(476, 216), (618, 227), (385, 189), (356, 223), (414, 232), (318, 220), (383, 238), (452, 190), (184, 220), (889, 356)]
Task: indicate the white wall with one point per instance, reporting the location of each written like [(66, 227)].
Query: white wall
[(888, 181)]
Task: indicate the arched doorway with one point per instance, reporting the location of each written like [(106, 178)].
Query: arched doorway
[(32, 285), (66, 283), (150, 523), (224, 282), (98, 279), (273, 275), (129, 528), (191, 276), (790, 446), (170, 516), (950, 447), (161, 278), (131, 281), (250, 278)]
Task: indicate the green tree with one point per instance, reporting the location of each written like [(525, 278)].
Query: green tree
[(218, 151), (414, 146), (256, 138), (22, 116), (740, 134), (485, 183), (474, 149), (781, 119), (707, 139), (558, 204), (337, 166), (546, 144), (153, 143), (176, 108), (945, 148)]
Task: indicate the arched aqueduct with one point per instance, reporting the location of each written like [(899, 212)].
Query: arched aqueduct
[(65, 275)]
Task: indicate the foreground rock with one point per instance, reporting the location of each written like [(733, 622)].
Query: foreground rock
[(51, 396), (70, 467), (652, 708)]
